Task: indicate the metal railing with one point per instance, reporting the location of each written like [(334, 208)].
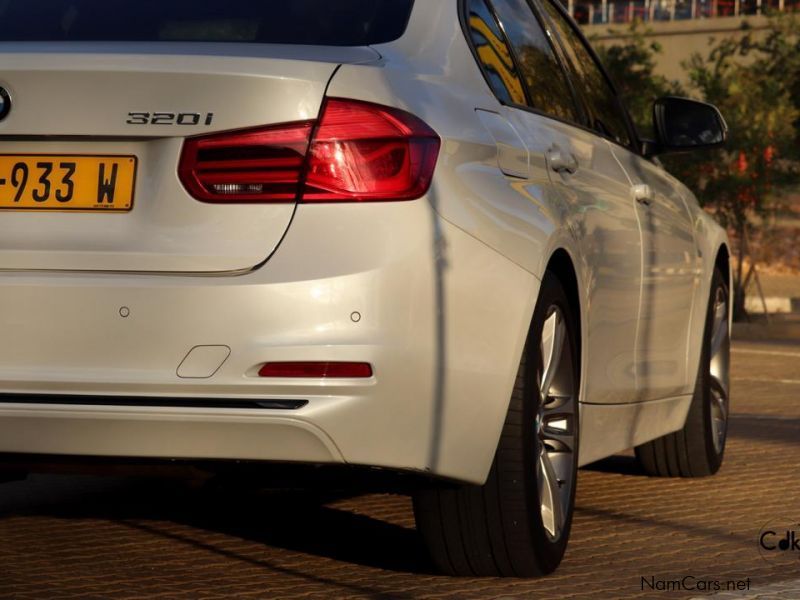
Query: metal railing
[(625, 11)]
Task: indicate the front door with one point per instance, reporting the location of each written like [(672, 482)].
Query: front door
[(672, 270)]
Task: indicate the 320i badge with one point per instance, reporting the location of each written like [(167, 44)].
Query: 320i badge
[(170, 118)]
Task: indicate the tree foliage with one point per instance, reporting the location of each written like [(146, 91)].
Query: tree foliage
[(632, 66), (747, 81), (754, 83), (754, 79)]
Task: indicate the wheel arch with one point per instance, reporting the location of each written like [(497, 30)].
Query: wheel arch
[(561, 264), (723, 263), (562, 267)]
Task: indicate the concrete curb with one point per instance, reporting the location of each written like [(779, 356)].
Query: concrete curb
[(784, 325), (777, 330), (775, 305)]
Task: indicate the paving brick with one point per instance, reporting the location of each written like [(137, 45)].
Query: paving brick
[(85, 537)]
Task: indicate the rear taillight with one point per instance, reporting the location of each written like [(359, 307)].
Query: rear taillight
[(256, 165), (365, 152), (360, 152)]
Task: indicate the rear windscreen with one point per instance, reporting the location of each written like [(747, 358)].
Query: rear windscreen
[(307, 22)]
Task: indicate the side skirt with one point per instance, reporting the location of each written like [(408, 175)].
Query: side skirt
[(610, 428)]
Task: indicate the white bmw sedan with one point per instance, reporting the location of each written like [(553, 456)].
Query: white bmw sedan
[(421, 237)]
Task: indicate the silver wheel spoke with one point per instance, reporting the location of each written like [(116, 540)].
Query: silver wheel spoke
[(720, 339), (561, 462), (720, 410), (553, 334), (719, 371), (720, 343), (558, 429), (549, 495), (720, 327), (555, 424)]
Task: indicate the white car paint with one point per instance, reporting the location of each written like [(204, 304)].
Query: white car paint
[(445, 285)]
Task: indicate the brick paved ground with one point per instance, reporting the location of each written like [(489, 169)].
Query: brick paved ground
[(83, 537)]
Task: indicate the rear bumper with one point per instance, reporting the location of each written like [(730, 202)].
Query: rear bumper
[(162, 433), (427, 305)]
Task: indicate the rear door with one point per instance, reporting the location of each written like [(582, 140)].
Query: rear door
[(595, 194), (669, 254), (104, 95)]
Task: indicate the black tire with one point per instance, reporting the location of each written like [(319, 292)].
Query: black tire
[(692, 451), (497, 529)]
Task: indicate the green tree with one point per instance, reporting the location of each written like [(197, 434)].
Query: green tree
[(782, 48), (755, 81), (632, 66), (748, 81)]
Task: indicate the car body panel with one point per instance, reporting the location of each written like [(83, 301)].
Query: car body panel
[(608, 429), (713, 250), (599, 213), (239, 85), (672, 270), (444, 368), (436, 293)]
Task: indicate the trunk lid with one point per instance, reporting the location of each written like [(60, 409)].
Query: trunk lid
[(89, 99)]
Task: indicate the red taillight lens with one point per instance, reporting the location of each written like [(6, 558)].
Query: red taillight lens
[(360, 152), (258, 165), (365, 152), (317, 370)]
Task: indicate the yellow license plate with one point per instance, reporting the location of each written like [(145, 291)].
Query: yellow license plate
[(64, 182)]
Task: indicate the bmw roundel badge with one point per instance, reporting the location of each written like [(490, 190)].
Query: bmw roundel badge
[(5, 103)]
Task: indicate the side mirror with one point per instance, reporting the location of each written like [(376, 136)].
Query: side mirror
[(683, 125)]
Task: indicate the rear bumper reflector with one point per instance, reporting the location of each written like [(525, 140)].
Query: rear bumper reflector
[(317, 370)]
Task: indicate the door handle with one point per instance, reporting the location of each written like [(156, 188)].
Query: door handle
[(562, 162), (643, 194)]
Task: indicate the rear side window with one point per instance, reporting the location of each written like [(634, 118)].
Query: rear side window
[(494, 54), (604, 106), (304, 22), (547, 84)]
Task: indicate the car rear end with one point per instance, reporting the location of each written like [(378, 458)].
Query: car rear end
[(208, 253)]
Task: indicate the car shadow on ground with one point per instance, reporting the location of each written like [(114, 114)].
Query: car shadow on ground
[(306, 524), (621, 465), (748, 427), (316, 523), (296, 521), (774, 429)]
